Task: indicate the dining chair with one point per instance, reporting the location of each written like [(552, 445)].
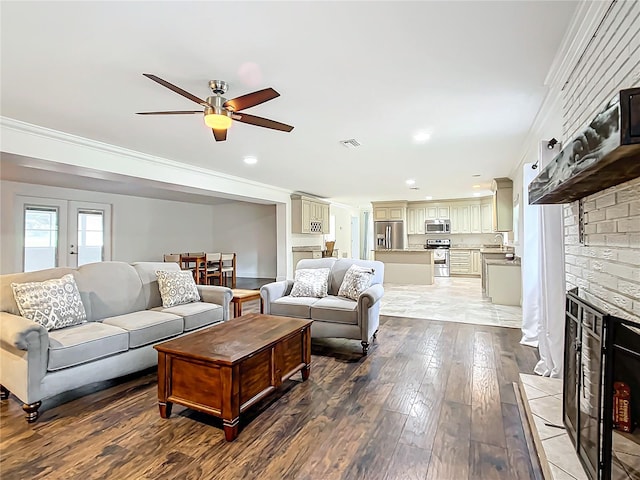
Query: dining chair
[(212, 269), (172, 257), (228, 266)]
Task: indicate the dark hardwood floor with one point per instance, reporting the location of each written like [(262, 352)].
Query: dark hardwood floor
[(433, 400)]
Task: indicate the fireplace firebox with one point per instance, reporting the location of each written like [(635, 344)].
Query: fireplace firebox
[(600, 350)]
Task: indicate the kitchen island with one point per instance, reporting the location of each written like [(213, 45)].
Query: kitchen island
[(407, 266)]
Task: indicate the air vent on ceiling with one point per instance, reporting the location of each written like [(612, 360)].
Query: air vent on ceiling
[(414, 188), (351, 143)]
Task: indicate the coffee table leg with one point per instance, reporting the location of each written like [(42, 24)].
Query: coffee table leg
[(239, 309), (165, 409), (230, 429), (306, 370)]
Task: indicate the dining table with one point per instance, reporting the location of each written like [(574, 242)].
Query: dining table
[(200, 261)]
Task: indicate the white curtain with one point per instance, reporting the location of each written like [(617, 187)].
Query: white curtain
[(543, 299)]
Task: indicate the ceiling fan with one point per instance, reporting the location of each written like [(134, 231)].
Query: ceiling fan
[(219, 112)]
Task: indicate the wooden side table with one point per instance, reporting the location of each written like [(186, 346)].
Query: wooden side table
[(240, 296)]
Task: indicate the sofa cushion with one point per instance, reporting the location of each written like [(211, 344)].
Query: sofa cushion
[(356, 280), (196, 314), (177, 288), (147, 272), (310, 282), (341, 266), (336, 310), (109, 289), (84, 343), (53, 303), (293, 306), (147, 326)]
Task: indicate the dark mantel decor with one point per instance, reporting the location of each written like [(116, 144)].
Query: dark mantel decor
[(607, 153)]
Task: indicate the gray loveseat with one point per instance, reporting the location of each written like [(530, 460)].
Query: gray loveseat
[(333, 316), (125, 318)]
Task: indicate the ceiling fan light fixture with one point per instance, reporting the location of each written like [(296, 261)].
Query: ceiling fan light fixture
[(217, 121)]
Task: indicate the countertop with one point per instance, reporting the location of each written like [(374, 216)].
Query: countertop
[(498, 261), (402, 250)]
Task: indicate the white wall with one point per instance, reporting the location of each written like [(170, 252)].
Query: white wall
[(249, 230), (142, 228)]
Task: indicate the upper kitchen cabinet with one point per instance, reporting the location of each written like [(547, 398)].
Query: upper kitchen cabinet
[(502, 204), (415, 220), (437, 212), (460, 218), (309, 215), (386, 211), (486, 216)]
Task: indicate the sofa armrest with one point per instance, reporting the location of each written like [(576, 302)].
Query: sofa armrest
[(24, 356), (15, 330), (218, 295), (371, 295), (369, 311), (273, 291)]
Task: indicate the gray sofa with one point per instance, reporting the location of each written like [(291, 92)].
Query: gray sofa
[(333, 316), (125, 318)]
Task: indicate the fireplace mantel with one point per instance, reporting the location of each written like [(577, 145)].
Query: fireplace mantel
[(605, 154)]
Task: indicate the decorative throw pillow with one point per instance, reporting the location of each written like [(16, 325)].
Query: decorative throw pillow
[(310, 282), (355, 281), (177, 288), (53, 303)]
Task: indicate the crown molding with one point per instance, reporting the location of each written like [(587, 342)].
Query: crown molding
[(75, 140)]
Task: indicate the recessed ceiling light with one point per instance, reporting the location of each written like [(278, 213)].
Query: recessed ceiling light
[(476, 186), (428, 197), (250, 160), (411, 181), (422, 136)]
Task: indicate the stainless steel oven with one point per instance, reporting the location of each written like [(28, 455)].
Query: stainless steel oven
[(440, 251)]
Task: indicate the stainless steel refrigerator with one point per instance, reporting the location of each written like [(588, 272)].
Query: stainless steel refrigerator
[(389, 235)]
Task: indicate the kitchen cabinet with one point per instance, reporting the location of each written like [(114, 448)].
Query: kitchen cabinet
[(386, 211), (486, 218), (415, 220), (309, 215), (475, 216), (464, 261), (437, 212), (459, 262), (476, 263), (502, 204), (460, 219)]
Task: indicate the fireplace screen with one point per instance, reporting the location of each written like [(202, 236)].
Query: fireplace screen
[(600, 351)]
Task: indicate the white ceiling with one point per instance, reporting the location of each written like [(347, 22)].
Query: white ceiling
[(472, 73)]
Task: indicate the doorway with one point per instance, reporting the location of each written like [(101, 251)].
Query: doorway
[(61, 233)]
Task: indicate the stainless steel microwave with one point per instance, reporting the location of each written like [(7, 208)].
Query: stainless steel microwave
[(437, 226)]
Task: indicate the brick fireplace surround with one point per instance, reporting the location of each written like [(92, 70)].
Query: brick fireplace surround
[(606, 266)]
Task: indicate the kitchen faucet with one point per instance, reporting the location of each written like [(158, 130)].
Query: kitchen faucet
[(500, 236)]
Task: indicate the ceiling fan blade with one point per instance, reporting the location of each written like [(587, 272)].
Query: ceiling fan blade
[(251, 99), (261, 122), (178, 90), (219, 134), (174, 112)]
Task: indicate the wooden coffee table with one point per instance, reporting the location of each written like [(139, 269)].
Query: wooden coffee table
[(224, 369)]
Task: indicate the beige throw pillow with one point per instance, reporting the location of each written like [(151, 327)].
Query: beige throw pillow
[(355, 281), (311, 282), (177, 287), (53, 303)]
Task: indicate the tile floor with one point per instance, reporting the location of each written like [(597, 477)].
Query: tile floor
[(544, 396), (449, 299)]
